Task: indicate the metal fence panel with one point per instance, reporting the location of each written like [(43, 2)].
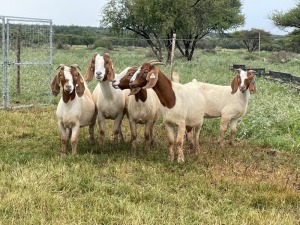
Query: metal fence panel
[(26, 61)]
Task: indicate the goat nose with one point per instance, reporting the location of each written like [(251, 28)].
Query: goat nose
[(98, 73)]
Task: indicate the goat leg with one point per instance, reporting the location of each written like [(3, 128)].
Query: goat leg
[(65, 134), (179, 143), (170, 130), (223, 128), (233, 124), (133, 136), (196, 139), (74, 139)]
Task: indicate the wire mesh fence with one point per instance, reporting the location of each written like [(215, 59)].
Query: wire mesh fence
[(26, 49)]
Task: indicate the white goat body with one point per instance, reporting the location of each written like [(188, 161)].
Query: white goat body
[(228, 103), (142, 108), (76, 107), (182, 106), (110, 102)]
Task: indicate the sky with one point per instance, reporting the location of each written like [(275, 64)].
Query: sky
[(87, 12)]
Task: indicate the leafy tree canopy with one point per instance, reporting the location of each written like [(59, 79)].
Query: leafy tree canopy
[(158, 20), (287, 19), (251, 38)]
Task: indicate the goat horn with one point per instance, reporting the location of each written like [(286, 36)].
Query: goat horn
[(156, 63), (151, 61), (60, 66), (75, 66)]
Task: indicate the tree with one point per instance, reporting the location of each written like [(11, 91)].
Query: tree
[(157, 21), (206, 16), (251, 38), (288, 19), (141, 17)]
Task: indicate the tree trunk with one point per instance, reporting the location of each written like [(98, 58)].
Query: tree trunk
[(156, 48), (168, 45), (192, 50)]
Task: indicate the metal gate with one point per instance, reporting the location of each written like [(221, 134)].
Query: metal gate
[(26, 49)]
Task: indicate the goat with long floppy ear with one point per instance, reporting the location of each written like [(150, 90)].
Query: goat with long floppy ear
[(250, 82), (89, 74), (78, 79), (55, 86), (152, 75), (252, 86), (235, 82), (109, 70), (75, 108)]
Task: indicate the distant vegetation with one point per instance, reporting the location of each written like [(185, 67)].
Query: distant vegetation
[(93, 37)]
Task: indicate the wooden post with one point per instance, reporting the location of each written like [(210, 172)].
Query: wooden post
[(259, 44), (172, 56)]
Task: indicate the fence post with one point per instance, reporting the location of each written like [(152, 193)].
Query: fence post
[(3, 64), (172, 55)]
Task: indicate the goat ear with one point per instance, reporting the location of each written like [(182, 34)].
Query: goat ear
[(109, 69), (234, 84), (252, 87), (80, 86), (55, 85), (141, 95), (152, 78), (89, 73)]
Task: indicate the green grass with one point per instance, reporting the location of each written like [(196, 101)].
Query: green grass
[(255, 182)]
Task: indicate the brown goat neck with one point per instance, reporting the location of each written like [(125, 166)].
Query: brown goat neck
[(164, 91), (67, 96)]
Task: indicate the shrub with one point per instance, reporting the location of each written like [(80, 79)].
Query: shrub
[(250, 57), (104, 43), (279, 57)]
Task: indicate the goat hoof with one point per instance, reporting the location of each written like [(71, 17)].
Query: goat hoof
[(171, 158), (221, 144), (180, 159)]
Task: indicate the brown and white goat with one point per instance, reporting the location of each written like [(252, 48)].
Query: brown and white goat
[(142, 108), (227, 102), (182, 105), (75, 108), (109, 101)]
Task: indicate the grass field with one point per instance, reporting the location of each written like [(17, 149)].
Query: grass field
[(255, 182)]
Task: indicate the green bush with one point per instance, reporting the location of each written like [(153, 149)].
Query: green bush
[(104, 43), (279, 57)]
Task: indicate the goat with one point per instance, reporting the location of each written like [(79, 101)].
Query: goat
[(142, 107), (75, 108), (182, 105), (227, 102), (110, 102)]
